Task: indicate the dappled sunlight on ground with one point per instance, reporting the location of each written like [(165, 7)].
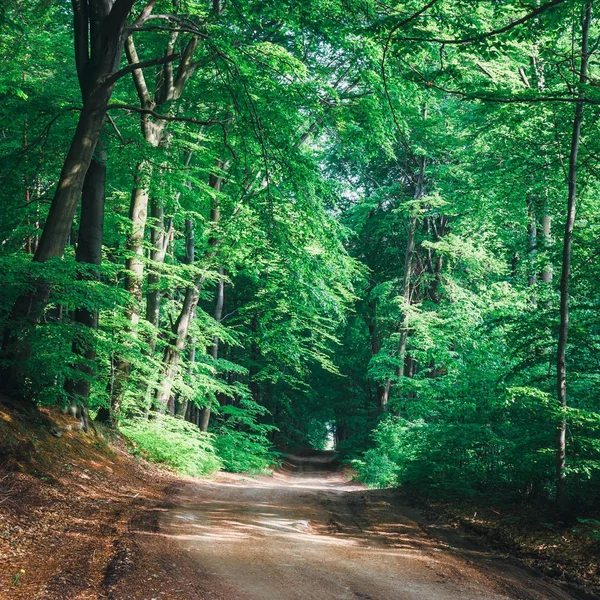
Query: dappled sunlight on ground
[(307, 533)]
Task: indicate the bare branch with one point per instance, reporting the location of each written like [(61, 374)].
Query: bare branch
[(114, 126)]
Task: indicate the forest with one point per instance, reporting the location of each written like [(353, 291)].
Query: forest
[(235, 226)]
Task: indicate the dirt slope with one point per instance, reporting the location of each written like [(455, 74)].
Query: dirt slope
[(308, 534), (67, 501), (80, 519)]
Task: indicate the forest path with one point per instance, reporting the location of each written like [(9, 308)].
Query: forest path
[(306, 533)]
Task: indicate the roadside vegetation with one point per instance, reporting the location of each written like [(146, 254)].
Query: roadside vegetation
[(234, 227)]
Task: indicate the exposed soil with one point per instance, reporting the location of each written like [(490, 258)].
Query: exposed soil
[(66, 503), (308, 534), (80, 519), (569, 552)]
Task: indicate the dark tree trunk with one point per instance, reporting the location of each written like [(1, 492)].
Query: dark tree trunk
[(562, 498), (98, 42), (89, 251)]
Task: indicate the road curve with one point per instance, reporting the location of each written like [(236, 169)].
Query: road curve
[(306, 533)]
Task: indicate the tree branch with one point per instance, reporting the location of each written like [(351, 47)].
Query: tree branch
[(171, 118), (186, 67), (145, 14), (138, 76), (81, 41), (384, 75), (140, 65), (493, 32)]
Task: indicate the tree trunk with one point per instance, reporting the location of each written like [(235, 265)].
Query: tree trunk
[(405, 289), (562, 499), (531, 247), (180, 329), (410, 248), (160, 237), (98, 35), (177, 343), (89, 251), (214, 351), (546, 226), (134, 264)]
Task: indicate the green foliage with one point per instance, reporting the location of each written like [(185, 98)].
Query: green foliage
[(242, 441), (382, 198), (174, 443), (243, 452)]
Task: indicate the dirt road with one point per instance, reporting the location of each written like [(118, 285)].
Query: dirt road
[(308, 534)]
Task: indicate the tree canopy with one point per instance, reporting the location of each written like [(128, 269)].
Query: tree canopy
[(233, 226)]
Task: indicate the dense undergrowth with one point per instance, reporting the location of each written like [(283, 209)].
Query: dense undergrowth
[(179, 445)]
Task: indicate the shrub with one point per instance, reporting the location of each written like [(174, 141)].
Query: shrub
[(172, 442)]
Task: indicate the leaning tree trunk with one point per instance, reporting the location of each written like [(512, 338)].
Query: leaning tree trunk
[(177, 344), (180, 329), (562, 498)]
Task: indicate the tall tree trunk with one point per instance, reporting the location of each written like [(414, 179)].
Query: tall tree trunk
[(546, 227), (383, 390), (214, 351), (134, 264), (177, 343), (180, 329), (160, 237), (182, 406), (562, 498), (89, 251), (98, 37), (408, 255), (531, 244), (405, 289), (185, 410), (169, 87)]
